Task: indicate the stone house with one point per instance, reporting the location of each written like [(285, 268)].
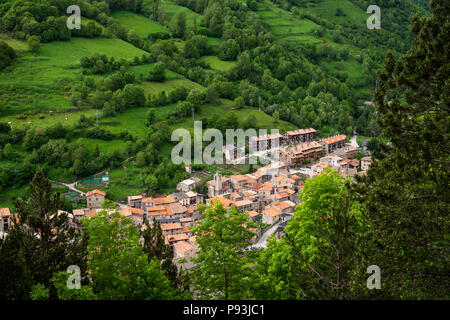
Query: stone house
[(95, 198)]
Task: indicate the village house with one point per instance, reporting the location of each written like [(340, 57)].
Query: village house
[(245, 205), (227, 203), (297, 180), (265, 142), (334, 143), (181, 197), (235, 196), (188, 168), (250, 195), (281, 230), (171, 239), (171, 229), (300, 135), (292, 195), (347, 152), (271, 215), (151, 202), (298, 154), (5, 216), (78, 214), (184, 250), (164, 221), (274, 169), (273, 212), (187, 222), (134, 213), (219, 186), (186, 185), (254, 215), (281, 196), (194, 212), (354, 164), (187, 230), (283, 182), (135, 201), (350, 164), (238, 180), (320, 167), (232, 153), (333, 160), (365, 163), (176, 210), (95, 198), (265, 191), (284, 206), (194, 198)]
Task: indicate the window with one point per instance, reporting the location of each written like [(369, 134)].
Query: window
[(5, 224)]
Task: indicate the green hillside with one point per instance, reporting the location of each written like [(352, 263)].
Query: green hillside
[(79, 102)]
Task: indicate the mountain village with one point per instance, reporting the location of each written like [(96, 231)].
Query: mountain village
[(269, 195)]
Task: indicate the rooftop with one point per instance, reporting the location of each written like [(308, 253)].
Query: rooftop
[(300, 131), (272, 212), (130, 211), (177, 237), (334, 139), (4, 212), (243, 203), (171, 226), (253, 213), (266, 137), (188, 182), (183, 246), (99, 192)]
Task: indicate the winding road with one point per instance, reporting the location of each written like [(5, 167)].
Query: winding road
[(71, 186), (262, 242)]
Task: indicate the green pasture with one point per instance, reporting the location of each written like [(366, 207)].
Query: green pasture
[(39, 83), (326, 9), (152, 87), (142, 25), (171, 9), (217, 64), (146, 68)]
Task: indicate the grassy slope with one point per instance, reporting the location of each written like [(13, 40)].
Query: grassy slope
[(171, 8), (142, 25), (37, 76), (216, 64), (286, 26)]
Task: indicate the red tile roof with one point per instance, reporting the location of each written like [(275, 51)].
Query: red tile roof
[(334, 139), (95, 192), (4, 212)]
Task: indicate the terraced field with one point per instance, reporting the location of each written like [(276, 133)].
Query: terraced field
[(354, 16), (285, 25), (157, 87), (146, 68), (142, 25), (217, 64), (172, 8), (36, 82)]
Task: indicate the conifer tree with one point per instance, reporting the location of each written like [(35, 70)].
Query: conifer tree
[(156, 248), (405, 192), (41, 242)]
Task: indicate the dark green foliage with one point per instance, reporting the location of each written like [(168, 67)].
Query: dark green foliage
[(27, 259), (156, 248), (406, 192), (7, 55)]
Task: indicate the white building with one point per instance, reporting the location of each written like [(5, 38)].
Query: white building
[(365, 163), (186, 185)]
